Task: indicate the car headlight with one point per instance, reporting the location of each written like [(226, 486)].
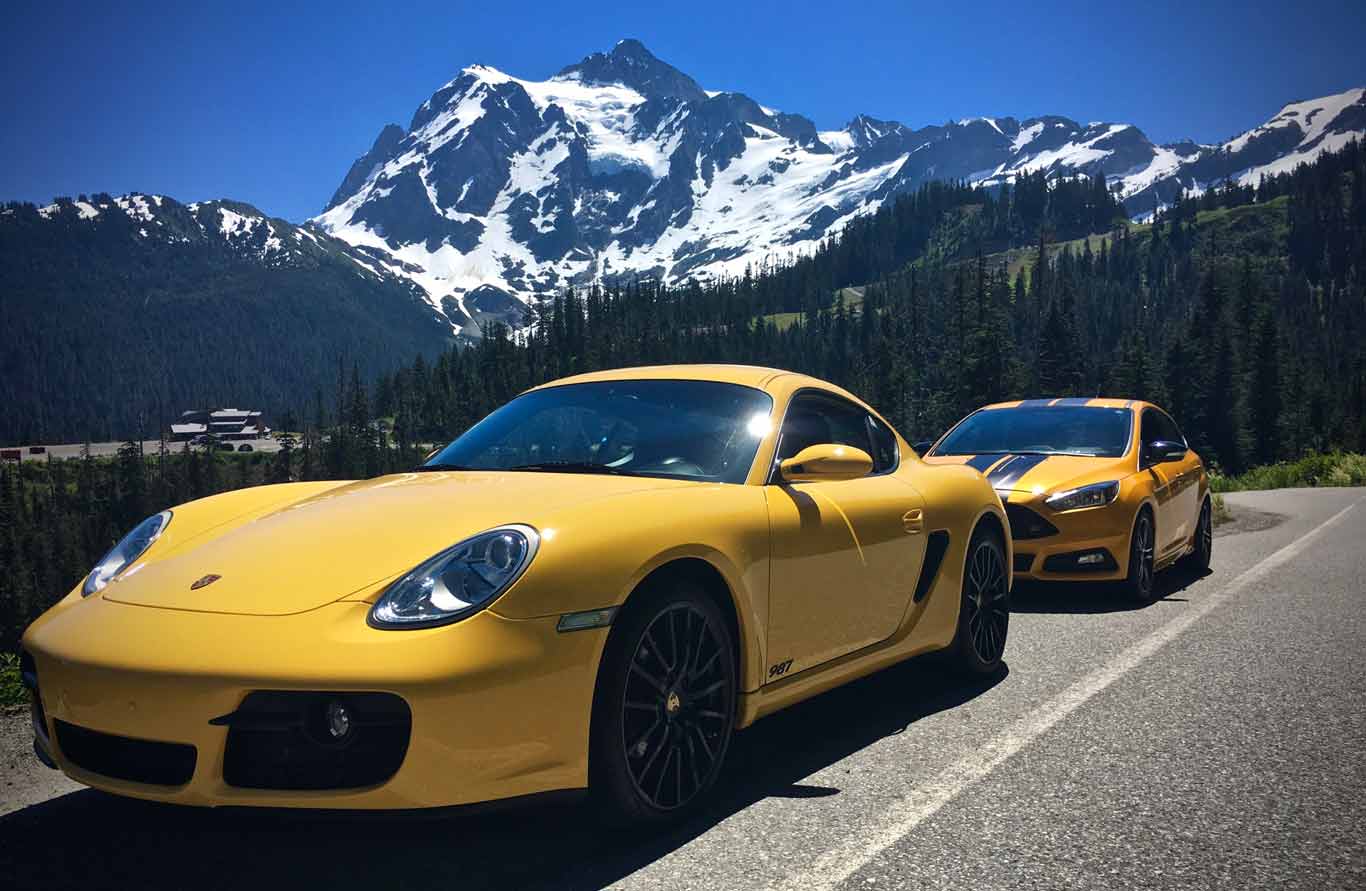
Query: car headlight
[(128, 549), (459, 581), (1095, 495)]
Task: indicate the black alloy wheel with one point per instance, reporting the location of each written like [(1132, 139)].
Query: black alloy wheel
[(1142, 554), (984, 615), (666, 707), (1203, 542)]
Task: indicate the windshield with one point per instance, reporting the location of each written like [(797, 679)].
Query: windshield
[(697, 430), (1060, 430)]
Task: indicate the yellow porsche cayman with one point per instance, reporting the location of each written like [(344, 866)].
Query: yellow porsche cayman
[(591, 588), (1094, 488)]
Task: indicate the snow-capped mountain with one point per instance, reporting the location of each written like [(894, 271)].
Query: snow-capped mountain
[(501, 189)]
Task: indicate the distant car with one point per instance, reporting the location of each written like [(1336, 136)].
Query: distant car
[(245, 447), (593, 587), (1094, 488), (199, 440)]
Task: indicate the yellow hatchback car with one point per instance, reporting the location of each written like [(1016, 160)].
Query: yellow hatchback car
[(591, 588), (1096, 489)]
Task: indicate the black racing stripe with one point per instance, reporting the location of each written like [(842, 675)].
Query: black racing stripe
[(1001, 469), (1034, 403), (1074, 400), (980, 463), (1009, 473)]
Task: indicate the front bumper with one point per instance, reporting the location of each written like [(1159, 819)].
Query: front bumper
[(500, 708), (1099, 530)]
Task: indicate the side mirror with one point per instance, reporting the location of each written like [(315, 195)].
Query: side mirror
[(826, 462), (1164, 451), (922, 447)]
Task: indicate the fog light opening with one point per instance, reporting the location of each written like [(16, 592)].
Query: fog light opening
[(338, 720)]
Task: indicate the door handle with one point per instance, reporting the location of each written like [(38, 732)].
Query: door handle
[(913, 521)]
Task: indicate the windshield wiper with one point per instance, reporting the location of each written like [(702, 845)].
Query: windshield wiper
[(572, 467), (428, 468)]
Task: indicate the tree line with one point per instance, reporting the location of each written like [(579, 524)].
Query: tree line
[(1242, 310)]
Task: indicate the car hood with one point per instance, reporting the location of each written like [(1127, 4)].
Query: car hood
[(348, 539), (1036, 474)]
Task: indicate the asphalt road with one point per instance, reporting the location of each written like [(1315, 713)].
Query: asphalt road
[(1215, 739)]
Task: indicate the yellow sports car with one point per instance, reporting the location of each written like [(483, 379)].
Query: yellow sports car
[(1094, 488), (592, 588)]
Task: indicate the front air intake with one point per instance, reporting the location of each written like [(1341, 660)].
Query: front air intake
[(125, 758), (304, 740)]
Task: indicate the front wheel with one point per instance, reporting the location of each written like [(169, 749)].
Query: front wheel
[(1138, 585), (665, 706), (1203, 544), (984, 614)]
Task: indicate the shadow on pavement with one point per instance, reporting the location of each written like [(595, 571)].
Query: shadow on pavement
[(1096, 597), (90, 839)]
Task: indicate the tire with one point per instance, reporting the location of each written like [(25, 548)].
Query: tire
[(1203, 541), (664, 709), (984, 612), (1139, 586)]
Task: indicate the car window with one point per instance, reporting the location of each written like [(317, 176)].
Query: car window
[(815, 420), (699, 430), (1094, 431), (1157, 426), (885, 453)]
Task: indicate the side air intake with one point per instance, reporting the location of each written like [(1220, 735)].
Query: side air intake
[(935, 548)]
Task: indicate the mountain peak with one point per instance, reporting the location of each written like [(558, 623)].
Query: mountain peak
[(632, 65), (630, 48)]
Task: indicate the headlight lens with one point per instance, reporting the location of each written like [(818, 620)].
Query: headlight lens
[(121, 555), (1095, 495), (459, 581)]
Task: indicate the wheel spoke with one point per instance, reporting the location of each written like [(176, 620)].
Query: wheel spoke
[(644, 737), (692, 764), (701, 672), (654, 648), (650, 679), (663, 744), (710, 689), (663, 772), (706, 747)]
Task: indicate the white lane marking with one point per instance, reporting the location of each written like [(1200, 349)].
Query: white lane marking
[(840, 863)]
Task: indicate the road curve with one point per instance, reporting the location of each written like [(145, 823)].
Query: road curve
[(1215, 739)]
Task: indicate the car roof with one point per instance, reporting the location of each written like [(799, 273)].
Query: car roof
[(744, 375), (1065, 401)]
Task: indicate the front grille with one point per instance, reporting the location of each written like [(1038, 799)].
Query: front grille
[(1023, 562), (1026, 524), (282, 740), (125, 758)]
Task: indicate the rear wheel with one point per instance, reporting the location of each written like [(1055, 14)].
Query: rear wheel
[(1203, 545), (665, 706), (1138, 586), (984, 614)]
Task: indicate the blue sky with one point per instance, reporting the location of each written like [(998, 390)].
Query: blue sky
[(271, 103)]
